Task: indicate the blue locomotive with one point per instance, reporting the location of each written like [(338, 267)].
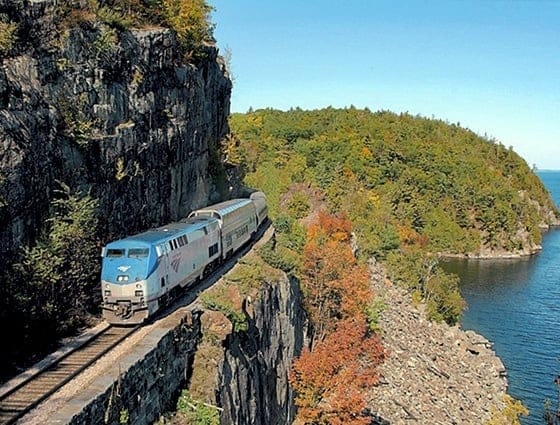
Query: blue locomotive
[(141, 273)]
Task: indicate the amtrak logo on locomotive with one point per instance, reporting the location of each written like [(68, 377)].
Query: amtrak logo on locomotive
[(175, 264)]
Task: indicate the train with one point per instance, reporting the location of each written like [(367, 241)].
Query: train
[(142, 273)]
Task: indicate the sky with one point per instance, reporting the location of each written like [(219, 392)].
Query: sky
[(491, 65)]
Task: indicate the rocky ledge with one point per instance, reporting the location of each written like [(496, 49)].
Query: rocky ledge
[(434, 374)]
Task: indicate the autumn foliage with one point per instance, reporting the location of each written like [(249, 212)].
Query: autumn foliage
[(331, 378), (336, 287)]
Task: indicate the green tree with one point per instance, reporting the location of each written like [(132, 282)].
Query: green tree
[(428, 282), (57, 278), (191, 21), (411, 186)]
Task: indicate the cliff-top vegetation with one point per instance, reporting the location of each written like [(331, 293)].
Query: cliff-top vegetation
[(189, 19)]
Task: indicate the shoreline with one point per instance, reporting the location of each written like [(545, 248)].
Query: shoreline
[(501, 255), (493, 255)]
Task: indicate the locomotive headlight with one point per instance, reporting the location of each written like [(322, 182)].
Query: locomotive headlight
[(107, 293), (122, 278), (107, 286), (138, 286), (138, 293)]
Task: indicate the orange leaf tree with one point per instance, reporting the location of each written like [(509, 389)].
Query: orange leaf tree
[(335, 285), (331, 377), (331, 380)]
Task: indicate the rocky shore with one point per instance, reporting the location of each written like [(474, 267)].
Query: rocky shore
[(434, 374)]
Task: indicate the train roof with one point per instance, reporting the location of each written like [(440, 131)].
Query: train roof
[(164, 233), (223, 208)]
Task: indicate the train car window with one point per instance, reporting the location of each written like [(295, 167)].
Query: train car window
[(180, 241), (185, 241), (205, 231), (171, 245), (138, 252), (115, 253)]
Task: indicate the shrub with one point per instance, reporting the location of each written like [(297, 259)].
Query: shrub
[(190, 19), (58, 286), (7, 35), (74, 118), (248, 274), (509, 414), (280, 257), (298, 205), (427, 282), (196, 412), (113, 17), (218, 301), (374, 312), (105, 43)]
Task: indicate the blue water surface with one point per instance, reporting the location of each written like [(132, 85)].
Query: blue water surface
[(516, 304)]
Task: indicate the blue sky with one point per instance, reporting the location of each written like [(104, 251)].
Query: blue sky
[(493, 66)]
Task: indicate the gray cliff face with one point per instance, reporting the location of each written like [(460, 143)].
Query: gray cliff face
[(120, 114), (253, 385)]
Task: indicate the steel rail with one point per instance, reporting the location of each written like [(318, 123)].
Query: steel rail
[(26, 395)]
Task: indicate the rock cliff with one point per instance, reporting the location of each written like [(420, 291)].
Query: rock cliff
[(253, 379), (120, 114)]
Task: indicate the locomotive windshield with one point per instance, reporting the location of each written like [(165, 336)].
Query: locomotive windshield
[(115, 253), (138, 252)]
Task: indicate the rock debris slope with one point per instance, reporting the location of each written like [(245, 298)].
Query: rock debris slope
[(434, 374)]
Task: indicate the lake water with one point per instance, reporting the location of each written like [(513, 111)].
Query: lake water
[(516, 305)]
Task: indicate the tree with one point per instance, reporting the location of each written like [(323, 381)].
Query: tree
[(57, 278), (190, 20), (335, 286), (331, 380), (457, 191), (421, 274)]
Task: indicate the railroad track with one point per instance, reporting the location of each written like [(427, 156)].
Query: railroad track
[(26, 395)]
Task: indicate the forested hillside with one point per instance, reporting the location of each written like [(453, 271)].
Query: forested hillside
[(412, 187), (402, 179)]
